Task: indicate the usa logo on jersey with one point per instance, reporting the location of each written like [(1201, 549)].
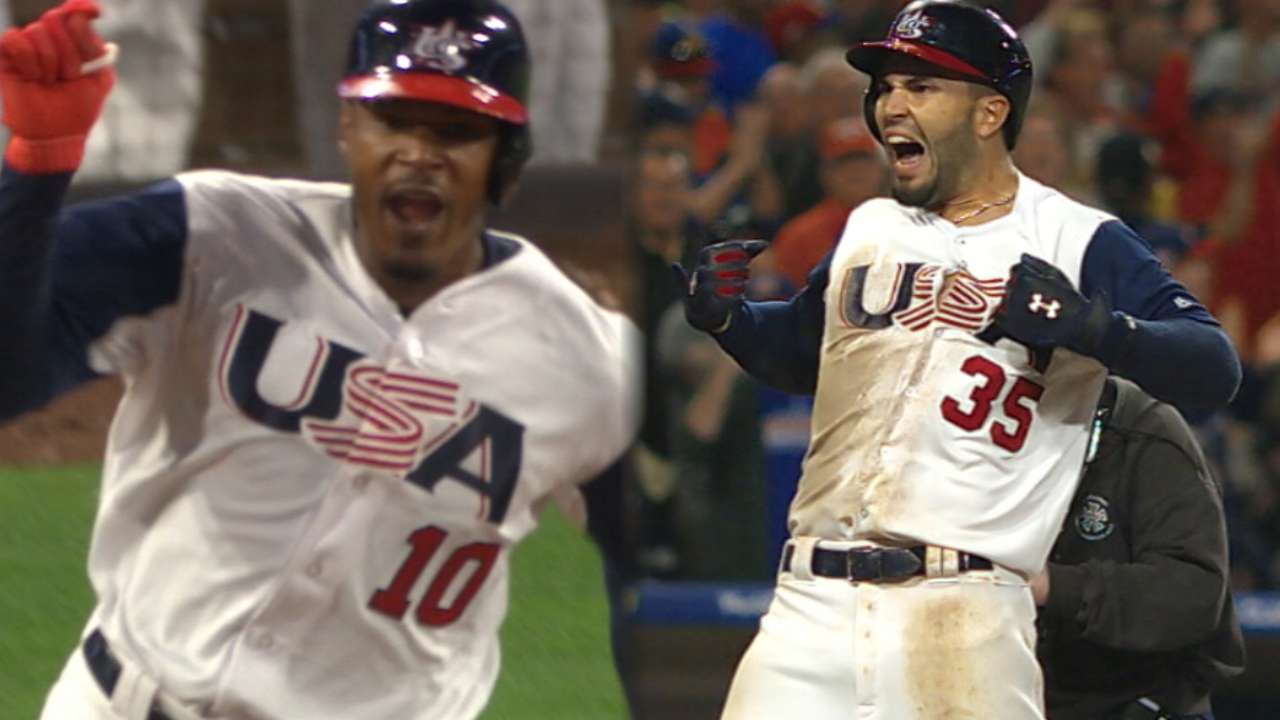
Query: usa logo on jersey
[(915, 297), (356, 411), (395, 414)]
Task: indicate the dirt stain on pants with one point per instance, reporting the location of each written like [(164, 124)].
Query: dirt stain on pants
[(946, 644)]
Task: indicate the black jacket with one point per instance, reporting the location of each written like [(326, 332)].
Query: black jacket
[(1139, 603)]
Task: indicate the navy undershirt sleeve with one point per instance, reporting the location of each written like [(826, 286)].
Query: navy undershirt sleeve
[(1173, 347), (779, 343), (67, 277)]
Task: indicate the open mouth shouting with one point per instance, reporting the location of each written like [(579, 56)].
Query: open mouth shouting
[(413, 207), (907, 155)]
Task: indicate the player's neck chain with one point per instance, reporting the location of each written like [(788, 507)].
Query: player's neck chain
[(983, 208)]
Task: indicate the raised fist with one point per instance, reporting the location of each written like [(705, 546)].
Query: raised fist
[(54, 78), (718, 282), (1042, 309)]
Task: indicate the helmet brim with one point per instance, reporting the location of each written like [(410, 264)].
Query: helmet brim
[(461, 92), (870, 57)]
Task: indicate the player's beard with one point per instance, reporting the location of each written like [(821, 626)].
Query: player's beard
[(415, 261), (952, 157), (406, 271), (397, 258), (415, 256)]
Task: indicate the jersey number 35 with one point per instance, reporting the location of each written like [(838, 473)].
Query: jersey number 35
[(970, 415)]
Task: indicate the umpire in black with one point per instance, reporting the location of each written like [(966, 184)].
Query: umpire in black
[(1136, 618)]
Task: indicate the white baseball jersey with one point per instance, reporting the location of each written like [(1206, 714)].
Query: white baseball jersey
[(308, 499), (921, 431)]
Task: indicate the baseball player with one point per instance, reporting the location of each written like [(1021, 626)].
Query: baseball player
[(343, 403), (953, 395)]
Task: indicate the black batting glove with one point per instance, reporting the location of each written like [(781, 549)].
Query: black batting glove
[(718, 282), (1042, 310)]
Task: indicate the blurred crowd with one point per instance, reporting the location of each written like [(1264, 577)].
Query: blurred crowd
[(748, 122)]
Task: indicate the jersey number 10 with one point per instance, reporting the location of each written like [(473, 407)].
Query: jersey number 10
[(1009, 436), (435, 610)]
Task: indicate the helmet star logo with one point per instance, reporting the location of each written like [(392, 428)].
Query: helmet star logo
[(912, 25), (442, 48)]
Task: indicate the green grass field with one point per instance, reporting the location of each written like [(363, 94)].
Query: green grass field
[(555, 643)]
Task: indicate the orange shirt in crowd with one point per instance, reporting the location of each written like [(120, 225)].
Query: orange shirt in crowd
[(807, 238), (712, 134)]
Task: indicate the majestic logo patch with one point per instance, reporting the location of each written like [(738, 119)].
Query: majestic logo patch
[(912, 25), (1094, 520), (442, 48)]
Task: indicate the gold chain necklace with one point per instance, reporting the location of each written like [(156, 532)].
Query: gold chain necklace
[(983, 209)]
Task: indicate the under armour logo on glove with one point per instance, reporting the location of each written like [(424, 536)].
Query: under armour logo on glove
[(1050, 308), (1042, 309)]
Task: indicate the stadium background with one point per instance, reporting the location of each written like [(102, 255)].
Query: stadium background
[(747, 151)]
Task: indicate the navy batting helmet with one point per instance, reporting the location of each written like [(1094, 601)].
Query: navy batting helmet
[(961, 37), (467, 53)]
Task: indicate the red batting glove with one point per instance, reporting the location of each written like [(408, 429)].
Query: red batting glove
[(50, 104), (718, 282)]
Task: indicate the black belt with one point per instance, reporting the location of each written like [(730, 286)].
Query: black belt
[(105, 669), (877, 564)]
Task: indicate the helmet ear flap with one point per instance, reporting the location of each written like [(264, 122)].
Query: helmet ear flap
[(1018, 99), (515, 146), (869, 110), (1010, 133)]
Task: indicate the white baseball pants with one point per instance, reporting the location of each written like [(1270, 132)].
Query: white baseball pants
[(938, 648)]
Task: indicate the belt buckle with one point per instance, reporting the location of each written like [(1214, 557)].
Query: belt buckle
[(903, 565), (882, 565), (863, 565)]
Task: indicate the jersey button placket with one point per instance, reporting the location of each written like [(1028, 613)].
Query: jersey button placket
[(411, 346), (957, 251), (414, 348)]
